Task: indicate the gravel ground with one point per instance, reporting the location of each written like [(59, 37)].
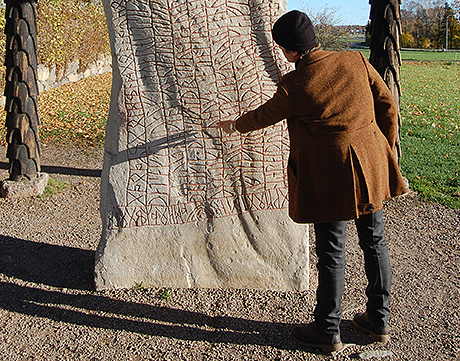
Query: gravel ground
[(50, 311)]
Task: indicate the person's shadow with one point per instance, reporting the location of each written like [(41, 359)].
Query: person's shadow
[(70, 272), (72, 299)]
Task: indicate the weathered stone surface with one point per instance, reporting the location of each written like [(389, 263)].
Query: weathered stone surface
[(24, 188), (237, 251), (182, 204)]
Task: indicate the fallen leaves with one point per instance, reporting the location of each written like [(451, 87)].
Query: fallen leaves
[(74, 112)]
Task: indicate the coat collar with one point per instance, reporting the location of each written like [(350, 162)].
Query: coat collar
[(312, 58)]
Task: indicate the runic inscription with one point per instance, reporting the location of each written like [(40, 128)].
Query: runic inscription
[(184, 65)]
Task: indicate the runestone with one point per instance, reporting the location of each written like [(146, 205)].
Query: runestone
[(183, 204)]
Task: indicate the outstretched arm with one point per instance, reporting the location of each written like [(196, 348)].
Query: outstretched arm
[(279, 107)]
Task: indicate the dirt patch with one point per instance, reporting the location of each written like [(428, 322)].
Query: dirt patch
[(49, 309)]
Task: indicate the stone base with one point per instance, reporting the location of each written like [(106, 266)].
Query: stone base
[(24, 188), (263, 250)]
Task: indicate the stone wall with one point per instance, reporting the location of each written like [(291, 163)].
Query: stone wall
[(48, 77)]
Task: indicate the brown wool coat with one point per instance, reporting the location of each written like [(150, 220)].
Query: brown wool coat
[(342, 123)]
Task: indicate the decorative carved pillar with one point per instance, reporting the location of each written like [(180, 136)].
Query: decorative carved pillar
[(21, 90), (385, 30)]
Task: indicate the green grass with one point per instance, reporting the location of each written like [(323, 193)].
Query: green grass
[(53, 187), (418, 55), (138, 287), (165, 294), (415, 55), (430, 132)]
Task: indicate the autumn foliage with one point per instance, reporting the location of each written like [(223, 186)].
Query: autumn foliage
[(67, 30), (424, 24)]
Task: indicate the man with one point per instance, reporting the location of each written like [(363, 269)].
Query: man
[(342, 123)]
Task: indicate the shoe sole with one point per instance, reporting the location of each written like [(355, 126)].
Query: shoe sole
[(323, 347), (374, 336)]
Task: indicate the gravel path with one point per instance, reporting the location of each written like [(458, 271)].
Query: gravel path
[(49, 310)]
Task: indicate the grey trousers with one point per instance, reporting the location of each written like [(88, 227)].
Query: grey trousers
[(330, 248)]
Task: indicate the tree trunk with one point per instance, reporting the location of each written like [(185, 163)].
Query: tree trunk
[(385, 30), (21, 89)]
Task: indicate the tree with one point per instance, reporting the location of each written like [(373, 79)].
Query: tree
[(456, 7), (452, 33), (426, 21), (326, 21)]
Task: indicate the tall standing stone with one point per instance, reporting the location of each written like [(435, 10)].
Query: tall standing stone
[(182, 204)]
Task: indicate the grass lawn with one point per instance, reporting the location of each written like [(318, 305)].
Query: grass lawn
[(430, 110), (430, 55), (430, 133), (419, 55)]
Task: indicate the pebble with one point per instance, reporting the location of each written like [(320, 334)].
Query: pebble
[(374, 354)]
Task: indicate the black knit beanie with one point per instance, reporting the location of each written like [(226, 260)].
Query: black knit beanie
[(294, 31)]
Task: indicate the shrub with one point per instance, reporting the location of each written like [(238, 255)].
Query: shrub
[(407, 40), (425, 43)]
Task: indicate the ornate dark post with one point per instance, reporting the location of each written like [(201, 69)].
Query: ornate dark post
[(385, 30), (21, 89)]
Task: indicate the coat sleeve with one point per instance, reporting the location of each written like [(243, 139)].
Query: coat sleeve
[(277, 108), (385, 108)]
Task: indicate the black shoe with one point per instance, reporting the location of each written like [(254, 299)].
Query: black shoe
[(309, 336), (362, 323)]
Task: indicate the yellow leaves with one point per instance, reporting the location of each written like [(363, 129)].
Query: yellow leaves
[(70, 30), (67, 30), (76, 112)]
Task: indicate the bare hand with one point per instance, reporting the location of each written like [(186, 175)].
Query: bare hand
[(225, 126)]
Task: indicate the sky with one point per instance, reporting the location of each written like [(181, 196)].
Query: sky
[(351, 12)]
